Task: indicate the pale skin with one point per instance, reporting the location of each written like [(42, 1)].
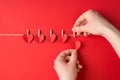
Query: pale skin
[(66, 64)]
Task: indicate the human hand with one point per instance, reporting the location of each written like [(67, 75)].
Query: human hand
[(67, 65), (91, 22)]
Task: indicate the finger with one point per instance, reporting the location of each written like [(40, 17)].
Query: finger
[(64, 53), (80, 29), (67, 59), (78, 33), (77, 62), (76, 29), (85, 34), (82, 18), (73, 57), (61, 57), (89, 33), (80, 66), (79, 20)]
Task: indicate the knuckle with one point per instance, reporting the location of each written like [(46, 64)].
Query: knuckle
[(91, 10), (55, 62), (54, 67)]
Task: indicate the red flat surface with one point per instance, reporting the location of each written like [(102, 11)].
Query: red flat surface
[(22, 61)]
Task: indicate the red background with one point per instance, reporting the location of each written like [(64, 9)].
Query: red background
[(22, 61)]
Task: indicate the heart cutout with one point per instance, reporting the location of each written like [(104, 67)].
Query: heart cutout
[(28, 38), (53, 37), (65, 37), (77, 45), (41, 38)]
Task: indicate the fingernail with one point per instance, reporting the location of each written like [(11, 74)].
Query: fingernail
[(75, 52), (80, 66), (85, 34), (73, 29)]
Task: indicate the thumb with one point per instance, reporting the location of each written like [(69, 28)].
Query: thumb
[(79, 29), (73, 57)]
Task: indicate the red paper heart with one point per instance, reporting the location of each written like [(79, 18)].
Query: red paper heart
[(28, 38), (53, 37), (77, 45), (65, 37), (41, 38)]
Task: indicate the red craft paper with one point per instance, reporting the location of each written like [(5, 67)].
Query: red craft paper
[(65, 37), (77, 45), (22, 61), (28, 38)]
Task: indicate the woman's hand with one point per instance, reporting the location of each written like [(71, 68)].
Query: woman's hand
[(91, 22), (67, 65)]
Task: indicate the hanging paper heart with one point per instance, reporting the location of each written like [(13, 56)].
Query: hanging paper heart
[(65, 37), (40, 38), (77, 45), (53, 37), (28, 38)]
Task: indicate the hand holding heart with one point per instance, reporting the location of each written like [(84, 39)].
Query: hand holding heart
[(67, 65)]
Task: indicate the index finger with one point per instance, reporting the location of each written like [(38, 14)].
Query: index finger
[(79, 21), (62, 56)]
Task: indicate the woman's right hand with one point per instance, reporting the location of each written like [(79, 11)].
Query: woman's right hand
[(91, 22)]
